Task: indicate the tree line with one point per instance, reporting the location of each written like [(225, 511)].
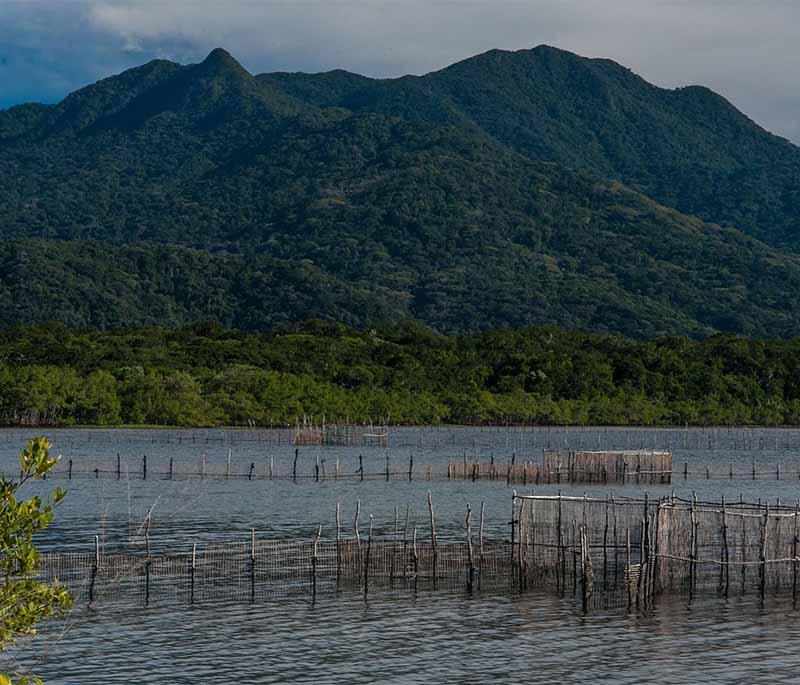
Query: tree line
[(205, 375)]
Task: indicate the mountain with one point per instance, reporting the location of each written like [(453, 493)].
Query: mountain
[(509, 189)]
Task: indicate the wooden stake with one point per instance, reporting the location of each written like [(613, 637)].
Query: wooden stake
[(338, 546), (471, 577), (252, 565), (314, 563), (355, 522), (366, 558), (191, 573), (480, 545), (433, 537)]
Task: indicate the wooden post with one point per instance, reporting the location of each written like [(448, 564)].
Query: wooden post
[(361, 466), (763, 554), (415, 557), (316, 468), (203, 466), (119, 467), (336, 470), (355, 522), (471, 574), (294, 466), (338, 546), (95, 567), (794, 554), (192, 567), (405, 540), (754, 470), (70, 469), (387, 467), (561, 556), (170, 468), (480, 545), (685, 470), (271, 466), (366, 558), (252, 468), (144, 467), (433, 537), (628, 565), (394, 548), (725, 569), (228, 466), (314, 563), (605, 547), (411, 467), (693, 546), (252, 565), (584, 571)]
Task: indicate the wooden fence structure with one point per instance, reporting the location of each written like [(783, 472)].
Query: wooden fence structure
[(628, 552), (316, 467), (612, 553)]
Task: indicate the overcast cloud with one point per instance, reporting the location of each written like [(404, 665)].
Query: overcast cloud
[(746, 50)]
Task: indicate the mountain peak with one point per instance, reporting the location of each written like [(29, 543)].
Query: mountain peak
[(220, 59)]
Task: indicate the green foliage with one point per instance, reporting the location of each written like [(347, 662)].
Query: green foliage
[(208, 376), (24, 601), (484, 195)]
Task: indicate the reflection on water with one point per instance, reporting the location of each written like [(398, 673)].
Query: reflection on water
[(390, 638)]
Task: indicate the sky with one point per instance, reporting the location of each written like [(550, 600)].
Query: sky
[(747, 50)]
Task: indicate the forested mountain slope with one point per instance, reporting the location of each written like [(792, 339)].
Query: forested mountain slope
[(479, 196)]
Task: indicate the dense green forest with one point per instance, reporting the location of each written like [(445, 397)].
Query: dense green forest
[(511, 189), (206, 375)]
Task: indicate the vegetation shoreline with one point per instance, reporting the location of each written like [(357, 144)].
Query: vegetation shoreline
[(207, 376)]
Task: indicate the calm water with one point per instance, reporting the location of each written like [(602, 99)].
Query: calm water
[(391, 638)]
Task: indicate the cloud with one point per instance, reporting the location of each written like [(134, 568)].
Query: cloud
[(747, 51)]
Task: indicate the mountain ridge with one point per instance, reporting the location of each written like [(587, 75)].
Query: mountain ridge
[(509, 189)]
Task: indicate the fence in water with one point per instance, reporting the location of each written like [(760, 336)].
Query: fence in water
[(510, 470), (614, 553), (570, 466), (628, 552), (402, 555)]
